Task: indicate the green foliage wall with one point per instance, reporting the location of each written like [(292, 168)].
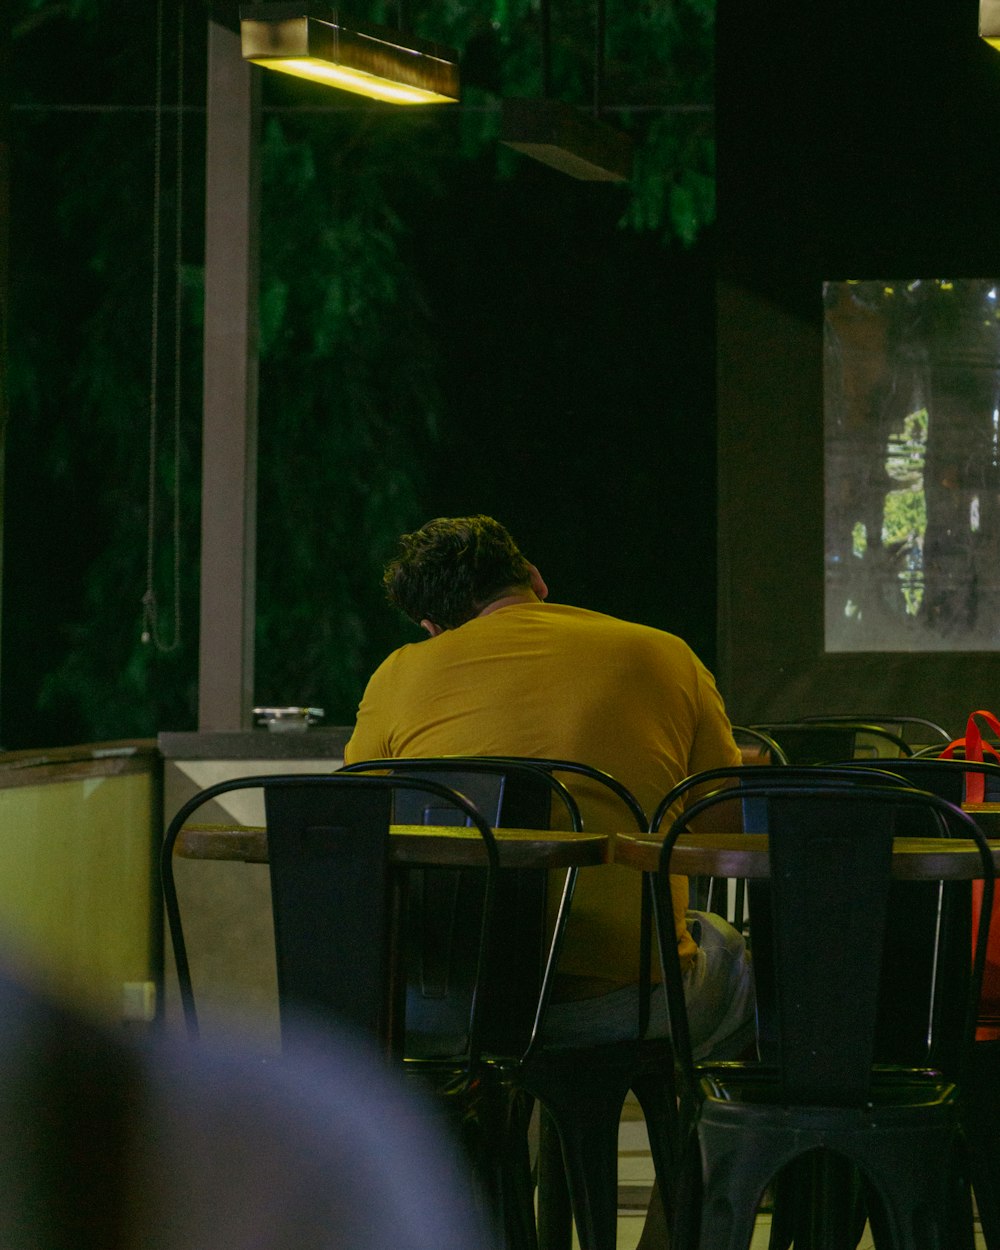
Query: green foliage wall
[(355, 407)]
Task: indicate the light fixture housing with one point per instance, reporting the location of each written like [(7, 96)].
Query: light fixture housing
[(374, 61), (567, 139), (989, 22)]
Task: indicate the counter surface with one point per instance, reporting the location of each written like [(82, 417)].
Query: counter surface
[(318, 742)]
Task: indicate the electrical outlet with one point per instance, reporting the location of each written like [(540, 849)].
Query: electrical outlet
[(139, 1001)]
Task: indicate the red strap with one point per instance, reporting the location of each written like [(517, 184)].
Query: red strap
[(973, 747)]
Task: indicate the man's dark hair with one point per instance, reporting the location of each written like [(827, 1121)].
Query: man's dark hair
[(451, 568)]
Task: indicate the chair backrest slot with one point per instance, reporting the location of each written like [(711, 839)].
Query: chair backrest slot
[(830, 890), (329, 900)]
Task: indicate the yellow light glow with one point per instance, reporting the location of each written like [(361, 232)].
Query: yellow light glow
[(353, 80)]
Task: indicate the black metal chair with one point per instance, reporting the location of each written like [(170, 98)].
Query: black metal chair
[(581, 1089), (917, 731), (817, 1088), (335, 905), (810, 742), (923, 915), (981, 1092)]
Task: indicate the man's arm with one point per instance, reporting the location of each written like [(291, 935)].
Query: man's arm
[(370, 739), (724, 817), (364, 743)]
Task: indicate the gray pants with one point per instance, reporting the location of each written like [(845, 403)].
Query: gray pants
[(718, 990)]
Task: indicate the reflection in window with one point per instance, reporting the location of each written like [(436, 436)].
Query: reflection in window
[(904, 513), (912, 451)]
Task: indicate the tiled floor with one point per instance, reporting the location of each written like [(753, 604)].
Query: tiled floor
[(635, 1177)]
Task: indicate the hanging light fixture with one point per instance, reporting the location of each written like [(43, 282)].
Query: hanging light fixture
[(562, 136), (559, 135), (374, 61), (989, 22)]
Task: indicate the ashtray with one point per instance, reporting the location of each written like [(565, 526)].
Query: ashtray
[(288, 719)]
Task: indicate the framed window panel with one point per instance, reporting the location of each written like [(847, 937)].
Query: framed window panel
[(911, 398)]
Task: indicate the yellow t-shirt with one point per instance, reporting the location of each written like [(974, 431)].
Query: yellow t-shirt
[(548, 680)]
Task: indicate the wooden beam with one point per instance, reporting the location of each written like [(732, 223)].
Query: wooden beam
[(229, 439)]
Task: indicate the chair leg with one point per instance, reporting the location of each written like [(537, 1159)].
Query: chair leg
[(555, 1214), (582, 1094), (961, 1208), (960, 1229), (985, 1184), (492, 1132), (729, 1205), (516, 1183), (789, 1191), (981, 1125), (685, 1223), (659, 1109), (839, 1211), (589, 1136), (914, 1178), (901, 1227), (819, 1204), (737, 1164)]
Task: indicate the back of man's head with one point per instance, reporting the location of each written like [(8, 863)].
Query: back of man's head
[(451, 568)]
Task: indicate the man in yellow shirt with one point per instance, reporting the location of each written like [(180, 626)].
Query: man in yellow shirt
[(503, 672)]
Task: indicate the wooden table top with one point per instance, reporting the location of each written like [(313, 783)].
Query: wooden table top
[(722, 855), (746, 855), (416, 845)]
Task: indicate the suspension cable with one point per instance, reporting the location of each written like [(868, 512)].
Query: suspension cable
[(150, 608)]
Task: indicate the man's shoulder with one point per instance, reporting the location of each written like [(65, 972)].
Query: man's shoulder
[(651, 634), (400, 658), (559, 621)]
